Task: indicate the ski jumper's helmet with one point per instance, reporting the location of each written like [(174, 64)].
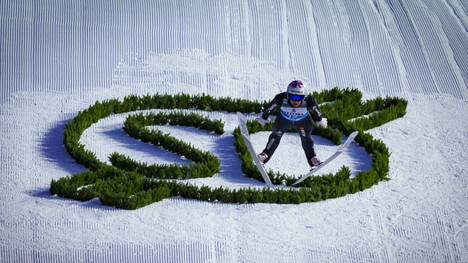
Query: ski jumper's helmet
[(296, 90)]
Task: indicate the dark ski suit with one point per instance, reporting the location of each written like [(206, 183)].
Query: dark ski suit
[(300, 119)]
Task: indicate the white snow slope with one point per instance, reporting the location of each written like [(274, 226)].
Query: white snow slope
[(59, 57)]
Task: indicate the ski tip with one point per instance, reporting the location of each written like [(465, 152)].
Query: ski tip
[(296, 183)]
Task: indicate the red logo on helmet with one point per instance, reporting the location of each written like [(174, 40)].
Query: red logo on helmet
[(296, 83)]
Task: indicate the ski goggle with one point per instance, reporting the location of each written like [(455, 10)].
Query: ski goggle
[(296, 97)]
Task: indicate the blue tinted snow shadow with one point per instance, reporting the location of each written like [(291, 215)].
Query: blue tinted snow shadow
[(53, 150), (359, 159)]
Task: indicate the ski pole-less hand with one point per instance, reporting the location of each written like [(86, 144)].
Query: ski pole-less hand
[(323, 123)]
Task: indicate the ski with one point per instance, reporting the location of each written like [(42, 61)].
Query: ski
[(245, 135), (339, 151)]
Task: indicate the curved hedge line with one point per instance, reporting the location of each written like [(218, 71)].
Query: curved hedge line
[(130, 185), (205, 164)]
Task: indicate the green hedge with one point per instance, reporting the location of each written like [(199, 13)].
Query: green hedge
[(129, 184), (100, 110), (205, 164), (175, 118), (336, 94)]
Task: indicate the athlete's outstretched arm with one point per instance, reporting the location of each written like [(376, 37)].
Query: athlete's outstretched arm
[(314, 109), (272, 105)]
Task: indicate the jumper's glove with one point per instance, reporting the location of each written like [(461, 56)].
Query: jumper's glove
[(261, 121), (323, 123)]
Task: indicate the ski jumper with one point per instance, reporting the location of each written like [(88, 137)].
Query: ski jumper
[(288, 117)]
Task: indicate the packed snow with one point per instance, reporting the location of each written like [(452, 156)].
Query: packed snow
[(59, 58)]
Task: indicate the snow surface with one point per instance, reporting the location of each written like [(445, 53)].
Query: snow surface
[(57, 58)]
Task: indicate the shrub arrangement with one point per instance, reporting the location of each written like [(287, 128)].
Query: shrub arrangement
[(129, 184), (205, 164)]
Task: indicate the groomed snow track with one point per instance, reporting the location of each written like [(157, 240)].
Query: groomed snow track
[(57, 57)]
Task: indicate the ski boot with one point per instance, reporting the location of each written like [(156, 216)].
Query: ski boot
[(314, 163), (263, 157)]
